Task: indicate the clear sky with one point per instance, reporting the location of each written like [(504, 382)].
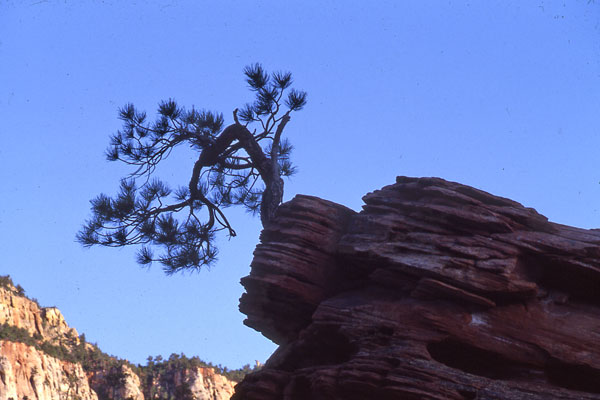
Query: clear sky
[(500, 95)]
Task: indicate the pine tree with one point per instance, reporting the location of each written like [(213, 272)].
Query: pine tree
[(235, 166)]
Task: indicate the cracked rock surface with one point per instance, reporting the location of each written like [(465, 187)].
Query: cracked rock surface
[(435, 290)]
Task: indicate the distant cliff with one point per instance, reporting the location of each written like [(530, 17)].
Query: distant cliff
[(42, 358)]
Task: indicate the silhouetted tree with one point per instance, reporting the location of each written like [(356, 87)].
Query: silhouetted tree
[(235, 166)]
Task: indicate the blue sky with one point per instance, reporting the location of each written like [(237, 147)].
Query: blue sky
[(500, 95)]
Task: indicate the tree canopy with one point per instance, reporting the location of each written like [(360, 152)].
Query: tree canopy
[(235, 166)]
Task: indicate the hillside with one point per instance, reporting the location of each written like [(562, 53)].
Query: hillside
[(43, 358)]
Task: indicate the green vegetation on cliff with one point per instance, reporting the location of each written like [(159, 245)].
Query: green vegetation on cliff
[(157, 376), (157, 367), (70, 349), (14, 334), (93, 359), (7, 283)]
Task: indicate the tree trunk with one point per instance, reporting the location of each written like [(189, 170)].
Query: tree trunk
[(267, 168)]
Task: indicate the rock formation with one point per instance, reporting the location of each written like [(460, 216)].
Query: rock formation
[(197, 383), (46, 322), (26, 368), (42, 358), (206, 385), (435, 290), (116, 382), (26, 372)]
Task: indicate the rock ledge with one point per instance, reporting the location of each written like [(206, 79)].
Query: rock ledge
[(435, 290)]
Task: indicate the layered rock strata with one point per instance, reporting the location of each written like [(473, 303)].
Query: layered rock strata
[(79, 370), (47, 323), (26, 372), (435, 290)]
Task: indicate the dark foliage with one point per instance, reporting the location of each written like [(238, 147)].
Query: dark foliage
[(14, 334), (7, 283), (234, 167)]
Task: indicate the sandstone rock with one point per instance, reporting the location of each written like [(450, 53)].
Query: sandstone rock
[(46, 322), (19, 311), (117, 383), (287, 282), (198, 383), (131, 388), (25, 371), (435, 290), (204, 384), (53, 319), (172, 383)]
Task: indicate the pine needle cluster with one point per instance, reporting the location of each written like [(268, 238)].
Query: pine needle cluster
[(234, 167)]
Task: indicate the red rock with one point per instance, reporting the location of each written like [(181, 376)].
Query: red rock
[(435, 290)]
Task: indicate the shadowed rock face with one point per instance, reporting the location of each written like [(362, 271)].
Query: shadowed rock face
[(435, 290)]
